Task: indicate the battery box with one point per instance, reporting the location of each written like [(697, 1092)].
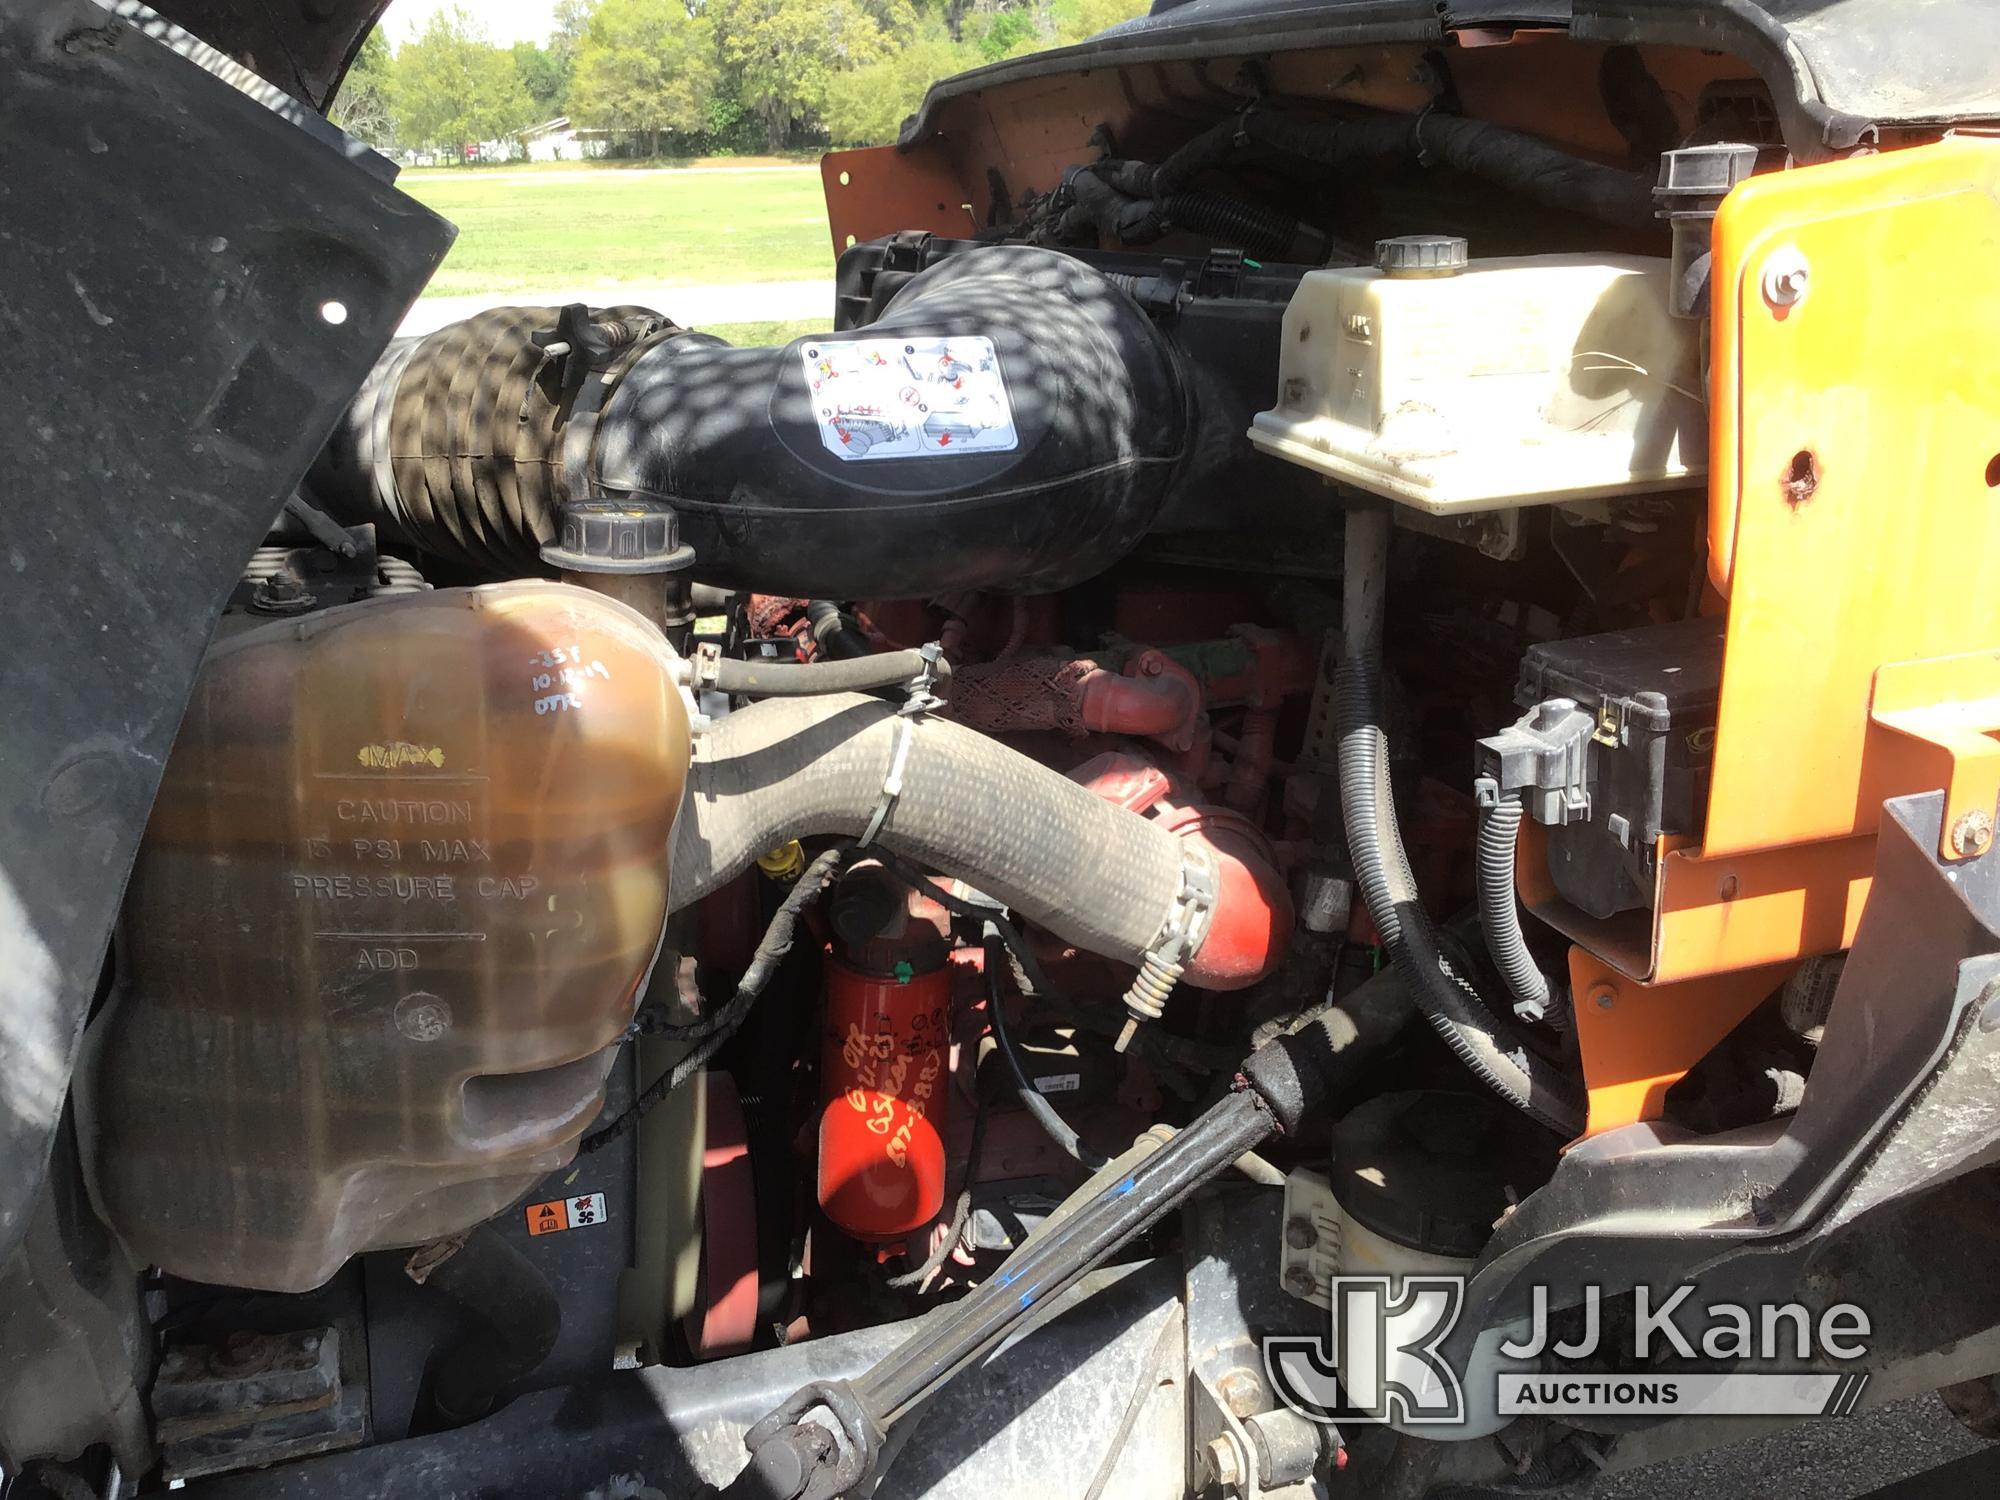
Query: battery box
[(1616, 749)]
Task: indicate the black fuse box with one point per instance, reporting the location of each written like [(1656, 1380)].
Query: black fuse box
[(1616, 750)]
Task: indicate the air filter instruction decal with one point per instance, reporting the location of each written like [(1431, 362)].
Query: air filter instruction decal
[(909, 398)]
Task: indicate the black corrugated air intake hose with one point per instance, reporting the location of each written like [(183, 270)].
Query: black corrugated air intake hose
[(455, 445), (1490, 1047), (1012, 420)]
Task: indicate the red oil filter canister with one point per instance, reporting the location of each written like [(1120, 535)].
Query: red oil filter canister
[(883, 1081)]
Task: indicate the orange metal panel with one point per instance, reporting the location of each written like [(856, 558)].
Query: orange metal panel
[(1718, 916), (1935, 721), (1637, 1040), (880, 190), (1854, 510), (1732, 912), (1856, 454)]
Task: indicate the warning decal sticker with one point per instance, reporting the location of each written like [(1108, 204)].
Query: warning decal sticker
[(909, 398), (565, 1213)]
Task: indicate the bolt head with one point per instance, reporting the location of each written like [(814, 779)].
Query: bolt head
[(1972, 834), (1299, 1280), (1223, 1464), (1241, 1391), (1300, 1233), (1786, 279), (1604, 997)]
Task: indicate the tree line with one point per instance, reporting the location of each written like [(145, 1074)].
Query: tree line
[(696, 77)]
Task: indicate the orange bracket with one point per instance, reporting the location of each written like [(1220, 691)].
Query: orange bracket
[(1934, 723), (1854, 502), (1738, 911), (880, 190), (1638, 1040), (1853, 511), (1855, 458), (1718, 915)]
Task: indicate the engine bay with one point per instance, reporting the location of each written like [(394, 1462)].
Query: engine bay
[(1072, 842), (1158, 763)]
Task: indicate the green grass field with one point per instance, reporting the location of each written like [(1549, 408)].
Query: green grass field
[(754, 335), (602, 164), (524, 228)]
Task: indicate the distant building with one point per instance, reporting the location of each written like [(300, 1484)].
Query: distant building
[(558, 140)]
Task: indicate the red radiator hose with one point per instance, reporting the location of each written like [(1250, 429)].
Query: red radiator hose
[(1251, 922), (1154, 698), (1251, 775), (1159, 700)]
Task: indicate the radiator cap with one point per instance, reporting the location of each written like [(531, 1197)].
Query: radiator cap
[(618, 536), (1422, 255)]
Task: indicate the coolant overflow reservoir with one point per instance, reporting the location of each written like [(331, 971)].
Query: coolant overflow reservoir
[(405, 876), (1458, 386)]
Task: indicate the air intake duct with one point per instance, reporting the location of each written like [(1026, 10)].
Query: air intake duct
[(1013, 420), (457, 444)]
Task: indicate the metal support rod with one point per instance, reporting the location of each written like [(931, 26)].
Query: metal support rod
[(1046, 1269), (1364, 580), (1034, 1277)]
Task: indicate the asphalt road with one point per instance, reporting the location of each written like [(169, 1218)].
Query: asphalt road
[(1827, 1460)]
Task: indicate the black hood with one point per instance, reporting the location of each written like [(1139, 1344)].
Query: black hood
[(1838, 69), (302, 46), (203, 281)]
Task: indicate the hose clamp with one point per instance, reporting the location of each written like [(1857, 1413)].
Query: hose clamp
[(919, 701), (1179, 939), (705, 665), (1194, 904), (892, 783)]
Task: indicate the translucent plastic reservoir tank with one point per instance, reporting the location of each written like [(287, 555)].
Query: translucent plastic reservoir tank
[(405, 878), (1506, 382)]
